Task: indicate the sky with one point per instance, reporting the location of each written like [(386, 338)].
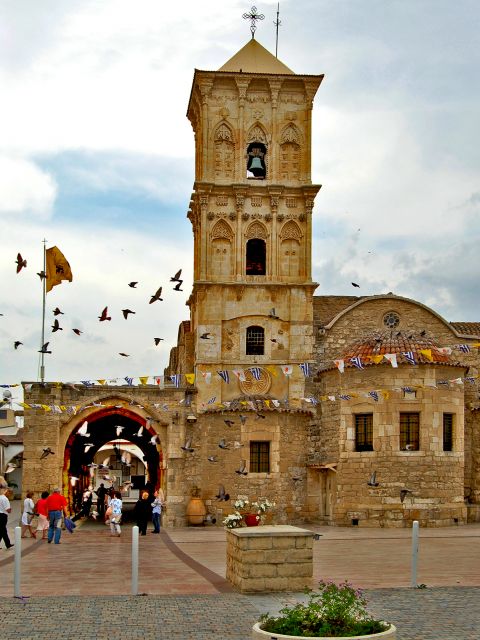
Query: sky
[(97, 157)]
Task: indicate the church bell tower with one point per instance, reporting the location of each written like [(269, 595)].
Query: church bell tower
[(251, 212)]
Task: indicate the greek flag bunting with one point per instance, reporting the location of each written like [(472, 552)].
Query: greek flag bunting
[(129, 381), (87, 383), (357, 361), (212, 400), (464, 348), (305, 367), (256, 372), (224, 375), (176, 380), (374, 395), (409, 357), (345, 396)]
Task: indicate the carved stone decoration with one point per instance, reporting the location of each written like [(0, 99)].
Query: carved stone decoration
[(274, 202), (280, 217), (257, 134), (224, 112), (290, 115), (290, 134), (203, 201), (256, 230), (251, 386), (268, 217), (232, 215), (222, 230), (256, 201), (302, 217), (291, 230), (221, 201), (245, 216), (223, 132), (240, 200), (258, 114), (210, 215), (291, 202)]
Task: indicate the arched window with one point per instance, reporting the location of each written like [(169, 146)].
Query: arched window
[(256, 257), (255, 343)]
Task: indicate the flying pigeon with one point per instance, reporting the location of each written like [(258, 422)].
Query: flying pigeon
[(73, 480), (205, 336), (104, 315), (56, 326), (20, 262), (125, 355), (259, 416), (87, 447), (158, 340), (77, 331), (229, 423), (42, 275), (243, 419), (222, 444), (139, 432), (106, 462), (354, 284), (83, 430), (372, 482), (188, 446), (44, 348), (126, 312), (46, 452), (119, 430), (242, 470), (126, 458), (403, 493), (153, 440), (176, 277), (57, 312), (237, 445), (209, 519), (132, 284), (272, 314), (212, 458), (178, 285), (10, 467), (221, 495), (17, 343), (126, 485), (156, 296)]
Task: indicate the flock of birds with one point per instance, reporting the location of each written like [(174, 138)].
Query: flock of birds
[(104, 315), (372, 482)]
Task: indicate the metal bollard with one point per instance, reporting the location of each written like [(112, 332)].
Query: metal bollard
[(17, 563), (135, 560), (415, 526)]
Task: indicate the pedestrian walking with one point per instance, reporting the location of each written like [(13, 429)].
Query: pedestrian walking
[(42, 513), (116, 515), (157, 505), (27, 515), (56, 507), (101, 492), (5, 509), (143, 512)]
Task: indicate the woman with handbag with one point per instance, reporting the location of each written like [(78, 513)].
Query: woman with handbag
[(27, 515)]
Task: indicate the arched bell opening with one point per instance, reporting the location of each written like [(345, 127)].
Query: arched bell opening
[(130, 444)]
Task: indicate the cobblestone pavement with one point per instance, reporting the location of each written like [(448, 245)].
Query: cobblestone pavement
[(443, 613)]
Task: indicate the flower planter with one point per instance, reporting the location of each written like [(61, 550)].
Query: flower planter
[(390, 633), (251, 519)]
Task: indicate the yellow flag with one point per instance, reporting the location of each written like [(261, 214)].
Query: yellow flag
[(45, 407), (427, 353), (101, 381), (58, 268), (190, 378), (143, 379), (376, 359), (24, 405), (273, 370)]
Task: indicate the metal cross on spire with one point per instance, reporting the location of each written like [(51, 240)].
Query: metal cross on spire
[(253, 16)]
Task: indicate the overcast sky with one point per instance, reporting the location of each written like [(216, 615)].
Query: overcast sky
[(96, 156)]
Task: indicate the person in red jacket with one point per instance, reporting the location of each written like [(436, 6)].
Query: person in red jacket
[(56, 506), (41, 511)]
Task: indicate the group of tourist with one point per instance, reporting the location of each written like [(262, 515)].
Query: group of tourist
[(145, 510)]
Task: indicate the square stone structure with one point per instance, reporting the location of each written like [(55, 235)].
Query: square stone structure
[(270, 558)]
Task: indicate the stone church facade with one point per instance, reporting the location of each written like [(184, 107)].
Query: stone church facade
[(385, 441)]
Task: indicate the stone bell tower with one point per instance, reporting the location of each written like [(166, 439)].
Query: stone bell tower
[(251, 212)]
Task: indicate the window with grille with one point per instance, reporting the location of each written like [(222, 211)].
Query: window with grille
[(448, 431), (409, 431), (364, 432), (259, 457), (255, 343)]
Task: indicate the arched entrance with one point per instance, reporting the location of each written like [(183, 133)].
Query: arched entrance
[(116, 446)]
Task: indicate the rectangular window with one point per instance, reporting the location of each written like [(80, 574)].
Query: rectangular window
[(259, 457), (364, 432), (409, 431), (3, 414), (448, 431)]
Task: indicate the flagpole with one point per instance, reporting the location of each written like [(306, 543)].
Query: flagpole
[(44, 293)]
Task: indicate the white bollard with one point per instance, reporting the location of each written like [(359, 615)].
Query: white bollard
[(17, 563), (414, 553), (135, 560)]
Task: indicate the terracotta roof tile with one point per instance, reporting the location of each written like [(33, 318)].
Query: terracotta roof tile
[(467, 328)]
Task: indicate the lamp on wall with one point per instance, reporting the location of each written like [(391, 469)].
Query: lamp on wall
[(191, 418)]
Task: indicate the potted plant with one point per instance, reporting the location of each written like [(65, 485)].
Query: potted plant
[(333, 611), (248, 514)]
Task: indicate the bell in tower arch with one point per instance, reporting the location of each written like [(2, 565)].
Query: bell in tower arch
[(256, 167)]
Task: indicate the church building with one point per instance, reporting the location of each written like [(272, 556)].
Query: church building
[(343, 410)]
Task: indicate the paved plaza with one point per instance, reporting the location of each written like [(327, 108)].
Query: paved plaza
[(81, 588)]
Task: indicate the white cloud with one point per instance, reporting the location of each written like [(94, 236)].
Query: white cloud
[(25, 188)]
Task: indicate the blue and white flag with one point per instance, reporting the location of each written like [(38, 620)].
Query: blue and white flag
[(212, 400), (305, 367), (224, 375), (357, 361), (374, 395), (408, 390), (464, 347), (129, 381), (87, 383), (345, 396), (409, 356), (256, 372), (176, 380)]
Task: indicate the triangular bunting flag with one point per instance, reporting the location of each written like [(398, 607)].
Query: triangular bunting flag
[(272, 369), (224, 375), (392, 358), (357, 361), (190, 378), (427, 353), (143, 379), (287, 369), (340, 364), (240, 374)]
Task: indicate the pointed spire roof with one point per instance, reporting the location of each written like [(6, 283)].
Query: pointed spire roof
[(254, 58)]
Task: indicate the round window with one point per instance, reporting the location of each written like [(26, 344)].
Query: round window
[(391, 319)]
